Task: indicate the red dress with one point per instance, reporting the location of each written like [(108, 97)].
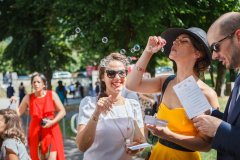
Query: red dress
[(50, 137)]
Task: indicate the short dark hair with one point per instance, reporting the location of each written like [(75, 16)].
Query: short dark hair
[(43, 78)]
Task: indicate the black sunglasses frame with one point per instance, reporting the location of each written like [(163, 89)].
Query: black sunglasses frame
[(215, 47), (112, 73)]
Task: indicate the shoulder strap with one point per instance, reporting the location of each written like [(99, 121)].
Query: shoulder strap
[(165, 84)]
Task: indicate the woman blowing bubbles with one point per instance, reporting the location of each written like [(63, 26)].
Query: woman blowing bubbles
[(106, 123), (188, 48)]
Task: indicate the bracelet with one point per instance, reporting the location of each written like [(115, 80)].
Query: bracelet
[(140, 69), (94, 117)]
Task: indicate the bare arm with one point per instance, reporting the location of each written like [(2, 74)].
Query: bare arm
[(24, 105), (86, 133), (10, 155), (134, 80), (195, 143), (212, 98), (60, 108)]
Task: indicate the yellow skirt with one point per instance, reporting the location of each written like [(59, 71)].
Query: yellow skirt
[(161, 152)]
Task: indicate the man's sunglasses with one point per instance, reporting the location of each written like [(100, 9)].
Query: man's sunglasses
[(216, 45), (112, 73)]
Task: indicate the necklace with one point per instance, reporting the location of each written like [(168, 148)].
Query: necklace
[(128, 136)]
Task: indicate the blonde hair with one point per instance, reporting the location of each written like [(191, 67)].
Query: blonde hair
[(13, 127)]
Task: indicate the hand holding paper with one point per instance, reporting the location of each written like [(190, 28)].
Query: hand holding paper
[(191, 97)]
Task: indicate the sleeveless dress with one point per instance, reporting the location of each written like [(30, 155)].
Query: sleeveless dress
[(178, 122), (51, 138)]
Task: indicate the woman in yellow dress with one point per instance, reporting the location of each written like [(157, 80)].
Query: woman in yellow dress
[(189, 49)]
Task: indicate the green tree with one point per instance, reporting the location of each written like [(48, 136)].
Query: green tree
[(38, 40), (5, 64), (126, 23), (44, 31)]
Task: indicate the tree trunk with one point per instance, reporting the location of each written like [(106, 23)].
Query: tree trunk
[(48, 74), (211, 74), (221, 71), (233, 75)]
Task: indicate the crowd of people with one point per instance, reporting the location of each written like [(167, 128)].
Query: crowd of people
[(111, 120)]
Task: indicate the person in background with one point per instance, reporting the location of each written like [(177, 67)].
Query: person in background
[(12, 139), (72, 90), (90, 89), (46, 109), (66, 95), (21, 92), (81, 90), (146, 100), (108, 122), (77, 89), (224, 128), (188, 48), (10, 91), (129, 94), (97, 87), (61, 91)]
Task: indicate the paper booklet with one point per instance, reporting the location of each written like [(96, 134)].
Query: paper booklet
[(191, 97)]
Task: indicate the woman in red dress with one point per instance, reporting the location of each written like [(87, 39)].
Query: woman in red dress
[(44, 136)]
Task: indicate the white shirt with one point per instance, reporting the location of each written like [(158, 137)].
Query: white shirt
[(112, 129)]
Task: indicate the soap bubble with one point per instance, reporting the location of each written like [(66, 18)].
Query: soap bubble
[(132, 50), (105, 40), (162, 49), (136, 47), (77, 30), (129, 59), (122, 51)]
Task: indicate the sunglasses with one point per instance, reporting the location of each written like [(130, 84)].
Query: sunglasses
[(112, 73), (216, 45)]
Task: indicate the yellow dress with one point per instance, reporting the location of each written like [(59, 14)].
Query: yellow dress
[(178, 122)]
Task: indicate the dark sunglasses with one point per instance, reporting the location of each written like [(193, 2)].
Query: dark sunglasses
[(216, 45), (112, 73)]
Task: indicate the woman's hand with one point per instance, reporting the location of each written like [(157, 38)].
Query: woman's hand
[(49, 123), (133, 152), (13, 99), (155, 43), (162, 132), (104, 105)]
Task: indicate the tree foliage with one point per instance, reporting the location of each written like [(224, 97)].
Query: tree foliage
[(44, 31), (37, 36), (126, 23)]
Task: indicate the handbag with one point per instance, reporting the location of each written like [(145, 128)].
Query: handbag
[(165, 84)]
